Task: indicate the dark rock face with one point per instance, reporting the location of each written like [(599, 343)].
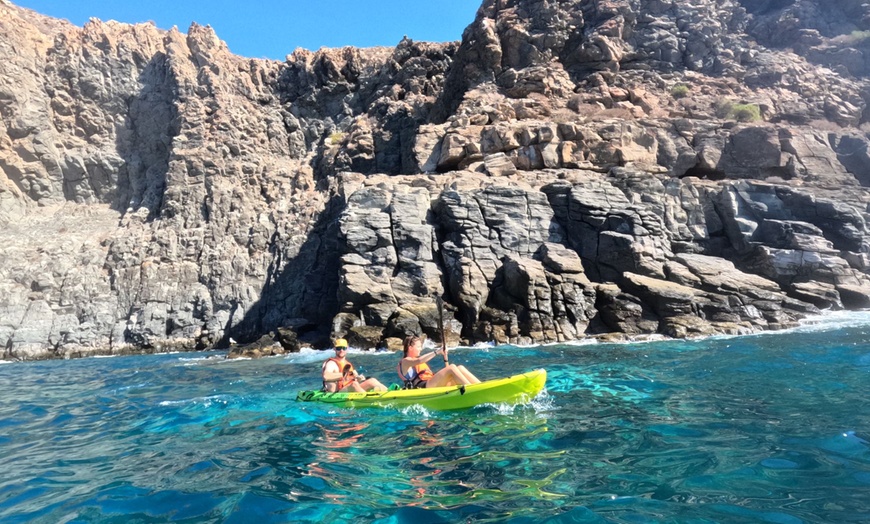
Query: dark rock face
[(570, 168), (264, 347)]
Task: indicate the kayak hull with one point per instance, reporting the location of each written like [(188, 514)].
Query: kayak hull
[(511, 390)]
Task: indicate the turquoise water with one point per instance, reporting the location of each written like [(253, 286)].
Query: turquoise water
[(769, 428)]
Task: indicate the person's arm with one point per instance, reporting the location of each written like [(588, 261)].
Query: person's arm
[(331, 373), (422, 358)]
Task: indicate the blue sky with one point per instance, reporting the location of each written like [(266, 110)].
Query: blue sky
[(273, 29)]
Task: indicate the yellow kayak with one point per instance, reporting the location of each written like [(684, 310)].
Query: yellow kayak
[(511, 390)]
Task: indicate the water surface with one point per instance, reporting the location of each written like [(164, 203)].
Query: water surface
[(768, 428)]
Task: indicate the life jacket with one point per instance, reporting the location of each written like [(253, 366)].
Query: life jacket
[(417, 376), (347, 374)]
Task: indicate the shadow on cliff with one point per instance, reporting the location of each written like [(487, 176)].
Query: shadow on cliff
[(300, 292), (144, 141)]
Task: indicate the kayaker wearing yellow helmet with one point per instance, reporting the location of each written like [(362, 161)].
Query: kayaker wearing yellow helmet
[(340, 375)]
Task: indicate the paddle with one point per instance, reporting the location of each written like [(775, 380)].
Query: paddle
[(349, 371), (444, 338), (440, 304)]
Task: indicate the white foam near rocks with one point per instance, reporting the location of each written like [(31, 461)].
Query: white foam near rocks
[(829, 320)]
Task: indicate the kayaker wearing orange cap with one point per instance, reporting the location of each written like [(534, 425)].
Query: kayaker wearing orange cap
[(340, 375)]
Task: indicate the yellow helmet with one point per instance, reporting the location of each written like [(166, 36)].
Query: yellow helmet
[(340, 343)]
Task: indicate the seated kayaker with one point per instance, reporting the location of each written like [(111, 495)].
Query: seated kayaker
[(415, 371), (339, 375)]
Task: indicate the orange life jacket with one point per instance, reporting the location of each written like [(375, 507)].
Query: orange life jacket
[(347, 376), (417, 376)]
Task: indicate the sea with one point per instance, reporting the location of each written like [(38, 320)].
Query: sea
[(768, 428)]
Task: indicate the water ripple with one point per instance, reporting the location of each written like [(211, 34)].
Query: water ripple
[(771, 428)]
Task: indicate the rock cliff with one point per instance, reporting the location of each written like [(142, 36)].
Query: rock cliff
[(570, 168)]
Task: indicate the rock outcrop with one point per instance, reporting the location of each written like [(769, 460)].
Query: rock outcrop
[(570, 168)]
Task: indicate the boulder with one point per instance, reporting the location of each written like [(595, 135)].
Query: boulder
[(265, 346), (394, 344), (823, 296), (855, 297), (667, 299), (498, 164), (288, 339), (620, 312), (365, 337)]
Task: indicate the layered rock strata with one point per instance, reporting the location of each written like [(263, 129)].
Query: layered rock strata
[(570, 168)]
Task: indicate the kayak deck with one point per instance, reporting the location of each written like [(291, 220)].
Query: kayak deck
[(510, 390)]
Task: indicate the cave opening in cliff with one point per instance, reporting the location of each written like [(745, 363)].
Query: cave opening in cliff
[(705, 173)]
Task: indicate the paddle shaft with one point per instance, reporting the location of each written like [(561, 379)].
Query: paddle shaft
[(441, 328)]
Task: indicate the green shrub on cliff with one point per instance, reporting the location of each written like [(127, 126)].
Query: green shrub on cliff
[(335, 138), (855, 37), (680, 91), (746, 113), (740, 112)]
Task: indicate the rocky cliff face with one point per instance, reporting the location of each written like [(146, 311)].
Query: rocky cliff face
[(570, 168)]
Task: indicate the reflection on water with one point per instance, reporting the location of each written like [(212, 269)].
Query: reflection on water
[(426, 465), (772, 428)]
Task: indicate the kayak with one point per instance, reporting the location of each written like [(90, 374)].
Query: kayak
[(511, 390)]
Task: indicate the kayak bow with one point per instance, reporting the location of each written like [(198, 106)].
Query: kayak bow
[(511, 390)]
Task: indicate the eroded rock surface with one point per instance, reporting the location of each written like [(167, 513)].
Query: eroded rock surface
[(567, 169)]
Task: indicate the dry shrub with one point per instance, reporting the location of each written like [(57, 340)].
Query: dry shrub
[(614, 113)]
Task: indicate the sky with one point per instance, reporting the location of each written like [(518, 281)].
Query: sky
[(274, 28)]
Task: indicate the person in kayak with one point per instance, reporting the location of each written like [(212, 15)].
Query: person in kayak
[(415, 371), (339, 375)]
